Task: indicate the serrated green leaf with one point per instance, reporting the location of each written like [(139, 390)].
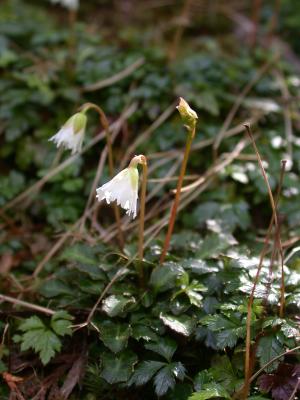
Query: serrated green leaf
[(144, 372), (33, 322), (201, 379), (164, 380), (165, 347), (60, 323), (210, 391), (228, 331), (165, 277), (268, 348), (42, 341), (115, 304), (118, 368), (114, 335), (181, 324)]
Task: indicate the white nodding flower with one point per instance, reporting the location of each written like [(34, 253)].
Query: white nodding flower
[(71, 134), (69, 4), (123, 188)]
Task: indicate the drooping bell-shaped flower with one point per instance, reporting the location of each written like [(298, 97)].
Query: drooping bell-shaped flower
[(69, 4), (71, 133), (123, 188)]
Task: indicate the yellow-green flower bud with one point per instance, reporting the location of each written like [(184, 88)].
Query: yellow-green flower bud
[(188, 115)]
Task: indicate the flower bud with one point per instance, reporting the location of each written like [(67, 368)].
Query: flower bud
[(188, 115)]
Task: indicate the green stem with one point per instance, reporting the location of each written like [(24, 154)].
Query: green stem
[(191, 134)]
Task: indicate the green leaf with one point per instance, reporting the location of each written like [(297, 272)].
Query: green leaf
[(214, 244), (3, 367), (201, 379), (31, 323), (257, 398), (165, 347), (114, 335), (81, 253), (42, 341), (118, 368), (211, 390), (268, 348), (164, 380), (143, 332), (290, 329), (60, 323), (166, 276), (228, 330), (115, 304), (223, 373), (144, 372), (181, 324), (93, 271), (55, 287)]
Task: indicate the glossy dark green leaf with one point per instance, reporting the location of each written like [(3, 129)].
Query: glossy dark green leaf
[(118, 368)]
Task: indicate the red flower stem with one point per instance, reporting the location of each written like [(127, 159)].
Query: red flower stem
[(191, 134)]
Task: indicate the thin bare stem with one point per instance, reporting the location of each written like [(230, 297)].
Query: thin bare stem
[(105, 124), (142, 210), (253, 377), (115, 78), (237, 104), (180, 29), (248, 129), (25, 304), (274, 220), (190, 137), (277, 239), (295, 390)]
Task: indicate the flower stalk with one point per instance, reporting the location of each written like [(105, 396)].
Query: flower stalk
[(142, 209), (104, 122), (189, 118)]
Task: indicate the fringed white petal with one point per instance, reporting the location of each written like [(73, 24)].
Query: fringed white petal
[(67, 138), (121, 189)]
